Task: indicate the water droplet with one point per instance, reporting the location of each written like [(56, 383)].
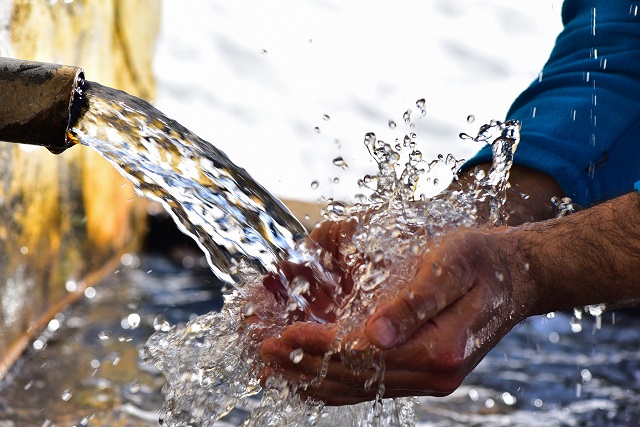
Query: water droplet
[(299, 286), (67, 395), (392, 124), (90, 292), (339, 161), (248, 309), (415, 248), (316, 129), (134, 387), (314, 185), (71, 286), (578, 390), (508, 398), (576, 325), (471, 118), (407, 116), (336, 180), (160, 323), (369, 139), (378, 256), (263, 51), (39, 344), (326, 117), (54, 325), (296, 355), (293, 305), (104, 335), (420, 103), (499, 276), (134, 320), (369, 382), (464, 136), (595, 310)]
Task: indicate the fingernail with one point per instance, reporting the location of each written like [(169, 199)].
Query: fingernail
[(385, 332)]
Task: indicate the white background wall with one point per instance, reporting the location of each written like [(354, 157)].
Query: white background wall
[(256, 77)]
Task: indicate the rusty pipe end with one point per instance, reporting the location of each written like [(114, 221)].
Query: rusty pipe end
[(38, 102)]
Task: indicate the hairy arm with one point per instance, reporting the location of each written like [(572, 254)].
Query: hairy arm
[(436, 329), (590, 257)]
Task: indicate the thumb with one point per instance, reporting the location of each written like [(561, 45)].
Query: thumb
[(433, 288)]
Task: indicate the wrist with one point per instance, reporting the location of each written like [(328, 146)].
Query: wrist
[(512, 245)]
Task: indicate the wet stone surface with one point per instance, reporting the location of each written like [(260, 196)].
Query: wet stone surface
[(88, 373), (84, 368)]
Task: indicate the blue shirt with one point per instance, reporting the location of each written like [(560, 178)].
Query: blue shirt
[(581, 118)]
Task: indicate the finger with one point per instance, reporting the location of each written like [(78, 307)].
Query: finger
[(313, 338), (395, 321), (336, 391), (331, 234), (442, 278)]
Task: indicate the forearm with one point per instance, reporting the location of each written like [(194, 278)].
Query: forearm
[(590, 257)]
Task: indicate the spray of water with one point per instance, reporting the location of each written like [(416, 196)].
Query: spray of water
[(211, 363)]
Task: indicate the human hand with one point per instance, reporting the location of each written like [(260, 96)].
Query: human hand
[(466, 295), (322, 288)]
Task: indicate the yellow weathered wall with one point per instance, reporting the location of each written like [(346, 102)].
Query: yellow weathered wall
[(66, 217)]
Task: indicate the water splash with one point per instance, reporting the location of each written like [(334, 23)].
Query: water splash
[(504, 138), (211, 363)]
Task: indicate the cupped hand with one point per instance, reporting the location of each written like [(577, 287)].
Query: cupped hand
[(466, 295), (324, 287)]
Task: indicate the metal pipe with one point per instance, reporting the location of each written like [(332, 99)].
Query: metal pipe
[(37, 102)]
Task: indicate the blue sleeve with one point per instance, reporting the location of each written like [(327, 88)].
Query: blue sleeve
[(581, 118)]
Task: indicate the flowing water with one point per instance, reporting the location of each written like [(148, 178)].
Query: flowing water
[(211, 363), (558, 370)]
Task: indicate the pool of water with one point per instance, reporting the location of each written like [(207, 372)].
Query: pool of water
[(84, 368)]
